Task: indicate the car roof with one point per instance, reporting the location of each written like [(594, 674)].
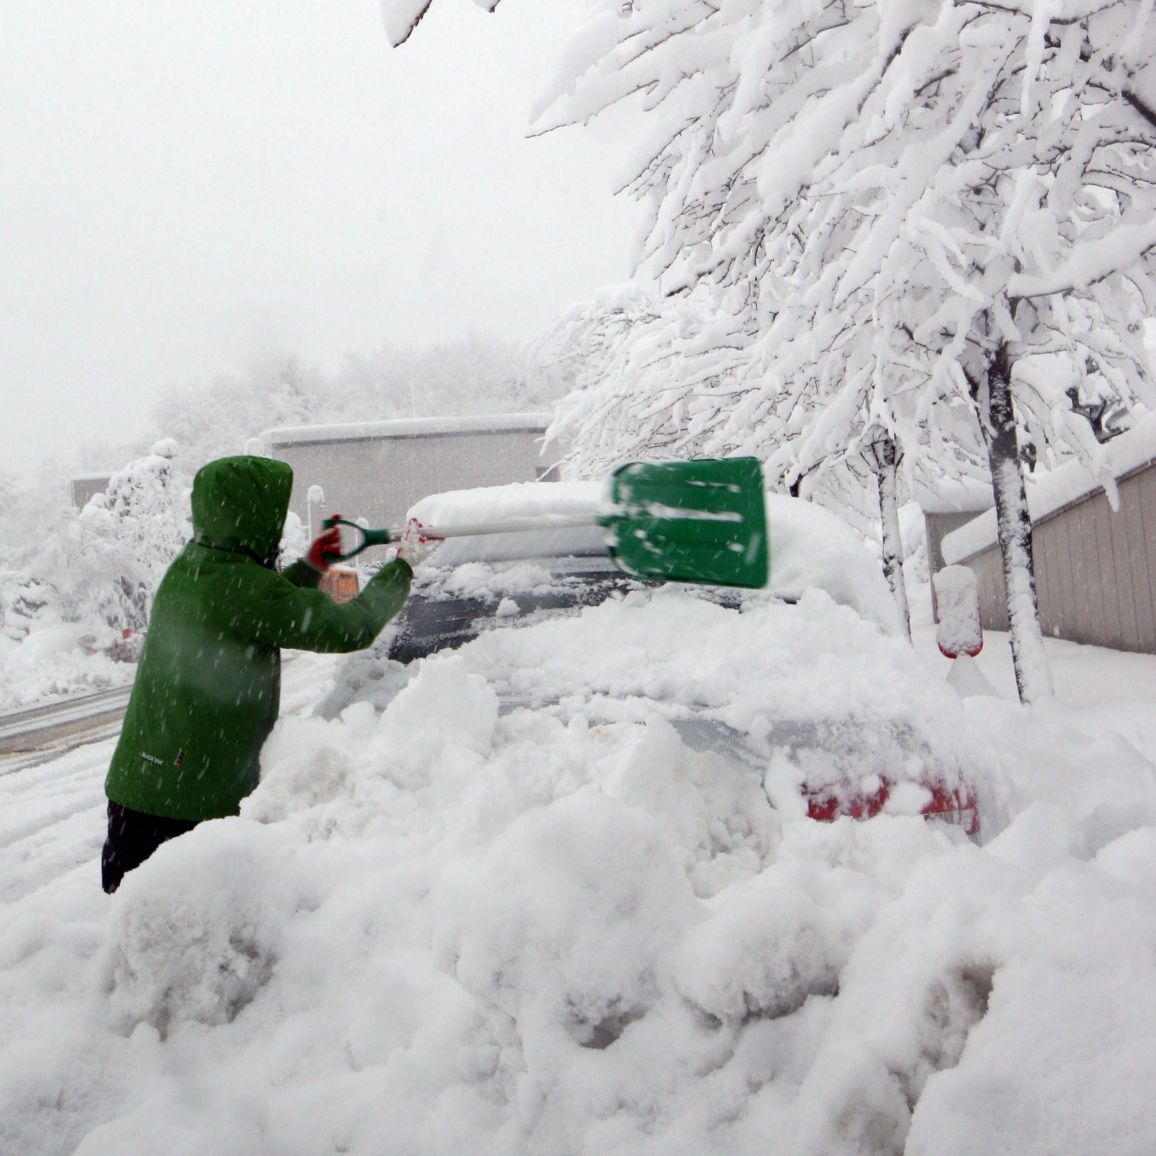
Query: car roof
[(812, 548)]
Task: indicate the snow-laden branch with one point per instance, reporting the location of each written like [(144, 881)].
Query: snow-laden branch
[(1089, 262), (401, 17), (1141, 106)]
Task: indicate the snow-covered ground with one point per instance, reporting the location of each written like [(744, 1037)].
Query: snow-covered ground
[(446, 929), (56, 662)]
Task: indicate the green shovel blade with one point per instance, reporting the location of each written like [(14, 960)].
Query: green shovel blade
[(695, 521)]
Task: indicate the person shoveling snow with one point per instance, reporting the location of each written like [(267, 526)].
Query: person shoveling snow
[(208, 689)]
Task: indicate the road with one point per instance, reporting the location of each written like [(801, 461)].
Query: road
[(31, 736), (52, 765)]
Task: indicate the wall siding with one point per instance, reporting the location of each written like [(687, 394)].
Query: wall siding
[(379, 478), (85, 488), (1094, 570)]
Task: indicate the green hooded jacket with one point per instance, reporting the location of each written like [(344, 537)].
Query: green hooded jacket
[(208, 689)]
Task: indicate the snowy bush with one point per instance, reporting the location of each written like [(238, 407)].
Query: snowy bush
[(22, 599), (82, 581), (108, 558)]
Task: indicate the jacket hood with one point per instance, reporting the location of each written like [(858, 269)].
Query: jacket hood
[(240, 504)]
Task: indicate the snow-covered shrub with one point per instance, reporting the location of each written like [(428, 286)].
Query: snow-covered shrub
[(76, 586), (108, 558), (22, 599)]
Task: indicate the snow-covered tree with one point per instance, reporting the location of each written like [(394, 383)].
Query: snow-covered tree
[(601, 347), (211, 420), (927, 219), (474, 374), (107, 559)]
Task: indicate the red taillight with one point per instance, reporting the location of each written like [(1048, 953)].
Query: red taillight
[(950, 804)]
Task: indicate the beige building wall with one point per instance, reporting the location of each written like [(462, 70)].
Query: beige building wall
[(1095, 570), (86, 486), (379, 471)]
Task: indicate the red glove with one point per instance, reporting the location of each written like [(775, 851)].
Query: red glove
[(325, 549)]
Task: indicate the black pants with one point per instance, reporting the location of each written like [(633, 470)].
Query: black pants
[(132, 838)]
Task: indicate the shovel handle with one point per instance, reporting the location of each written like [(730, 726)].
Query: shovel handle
[(368, 537), (509, 525)]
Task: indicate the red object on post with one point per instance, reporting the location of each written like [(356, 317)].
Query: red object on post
[(958, 630)]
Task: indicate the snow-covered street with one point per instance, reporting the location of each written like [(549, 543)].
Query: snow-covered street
[(52, 808)]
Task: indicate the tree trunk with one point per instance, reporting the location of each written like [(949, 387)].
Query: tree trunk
[(1033, 678), (886, 478)]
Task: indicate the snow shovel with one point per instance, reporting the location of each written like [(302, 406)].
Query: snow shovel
[(684, 521)]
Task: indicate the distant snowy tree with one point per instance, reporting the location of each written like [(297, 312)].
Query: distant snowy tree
[(475, 374), (926, 221), (108, 559), (215, 420), (27, 521)]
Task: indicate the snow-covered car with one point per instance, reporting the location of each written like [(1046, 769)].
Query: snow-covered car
[(806, 685)]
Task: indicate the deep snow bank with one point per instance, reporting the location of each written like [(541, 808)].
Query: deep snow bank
[(458, 927)]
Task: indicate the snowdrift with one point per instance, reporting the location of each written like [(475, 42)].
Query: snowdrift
[(456, 927)]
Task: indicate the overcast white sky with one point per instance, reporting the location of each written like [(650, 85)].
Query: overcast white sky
[(192, 185)]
